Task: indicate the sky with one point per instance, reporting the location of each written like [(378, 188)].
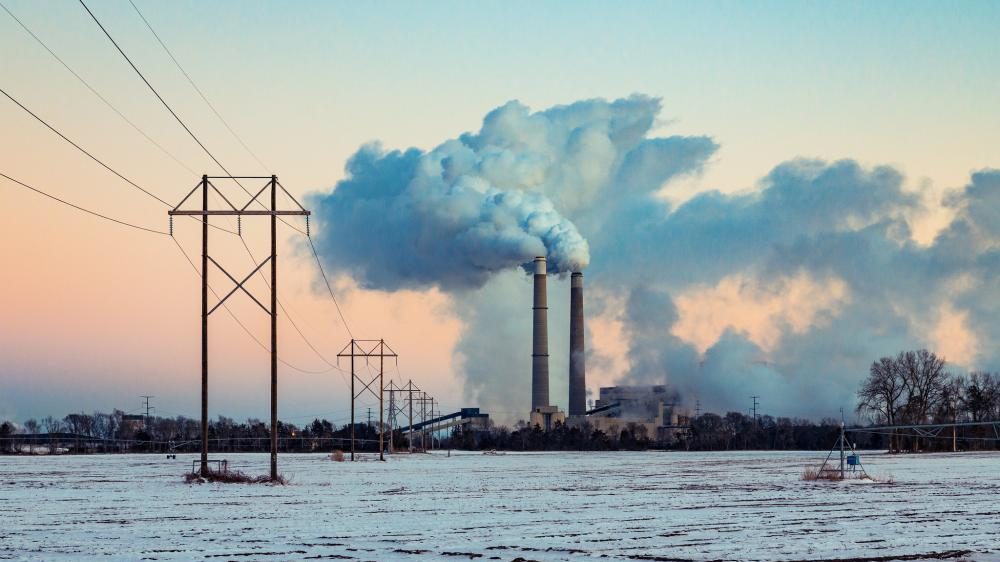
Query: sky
[(96, 314)]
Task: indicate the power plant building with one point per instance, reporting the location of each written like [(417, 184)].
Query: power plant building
[(652, 406)]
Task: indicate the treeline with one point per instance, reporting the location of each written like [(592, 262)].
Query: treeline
[(577, 437), (108, 433), (915, 387), (100, 432), (707, 432)]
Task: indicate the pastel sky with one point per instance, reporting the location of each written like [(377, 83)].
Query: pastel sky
[(94, 315)]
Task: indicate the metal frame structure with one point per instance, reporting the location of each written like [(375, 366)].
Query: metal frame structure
[(933, 430), (358, 348), (401, 405), (396, 411), (205, 184), (424, 399), (846, 449)]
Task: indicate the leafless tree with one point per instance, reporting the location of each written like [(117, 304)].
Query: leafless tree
[(925, 380), (911, 387), (52, 425), (31, 426), (982, 396), (881, 395)]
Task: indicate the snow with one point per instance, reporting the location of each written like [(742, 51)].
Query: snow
[(547, 507)]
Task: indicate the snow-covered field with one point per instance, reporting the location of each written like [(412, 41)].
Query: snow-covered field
[(546, 507)]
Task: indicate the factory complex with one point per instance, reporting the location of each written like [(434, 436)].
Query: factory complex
[(653, 408)]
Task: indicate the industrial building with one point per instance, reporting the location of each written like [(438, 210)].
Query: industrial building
[(652, 406)]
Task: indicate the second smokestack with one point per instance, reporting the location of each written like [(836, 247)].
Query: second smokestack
[(577, 352), (540, 342)]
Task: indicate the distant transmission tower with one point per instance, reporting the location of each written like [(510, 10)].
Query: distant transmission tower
[(148, 408), (368, 349), (755, 404)]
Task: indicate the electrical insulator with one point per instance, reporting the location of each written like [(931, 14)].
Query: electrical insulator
[(171, 225), (307, 227), (239, 225)]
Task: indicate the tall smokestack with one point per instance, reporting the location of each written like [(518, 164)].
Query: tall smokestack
[(577, 361), (540, 342)]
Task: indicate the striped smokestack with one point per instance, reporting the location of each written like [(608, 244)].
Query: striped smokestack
[(540, 342), (577, 362)]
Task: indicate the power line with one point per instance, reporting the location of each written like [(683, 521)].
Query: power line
[(205, 149), (291, 320), (145, 191), (329, 288), (188, 258), (81, 149), (196, 88), (95, 92), (241, 324), (152, 89), (295, 325), (289, 316), (172, 112), (154, 231), (79, 208), (212, 156), (91, 156)]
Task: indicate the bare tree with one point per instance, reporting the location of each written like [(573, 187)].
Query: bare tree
[(982, 396), (881, 395), (31, 426), (925, 380), (52, 425)]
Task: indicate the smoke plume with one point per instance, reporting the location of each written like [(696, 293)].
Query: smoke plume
[(788, 290)]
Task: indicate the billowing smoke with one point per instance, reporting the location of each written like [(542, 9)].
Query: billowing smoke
[(456, 215), (810, 223), (787, 291)]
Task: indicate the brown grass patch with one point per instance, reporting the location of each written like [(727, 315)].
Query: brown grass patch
[(813, 474), (337, 456), (232, 477)]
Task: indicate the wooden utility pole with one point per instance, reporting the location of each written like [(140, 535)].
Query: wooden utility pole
[(392, 414), (239, 213), (368, 349), (381, 410), (353, 396), (204, 325), (410, 400), (274, 328)]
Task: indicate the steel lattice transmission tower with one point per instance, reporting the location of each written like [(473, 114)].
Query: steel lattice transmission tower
[(205, 212)]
